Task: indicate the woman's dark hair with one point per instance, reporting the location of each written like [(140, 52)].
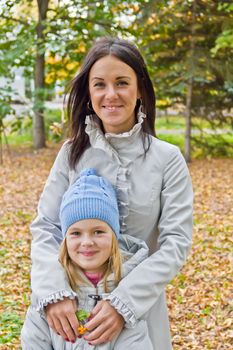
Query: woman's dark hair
[(77, 108)]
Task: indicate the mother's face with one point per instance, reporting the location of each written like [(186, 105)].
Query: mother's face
[(113, 89)]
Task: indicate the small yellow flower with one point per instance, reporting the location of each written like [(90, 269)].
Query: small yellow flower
[(82, 330)]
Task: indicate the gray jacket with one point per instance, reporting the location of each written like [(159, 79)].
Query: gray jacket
[(37, 335), (155, 200)]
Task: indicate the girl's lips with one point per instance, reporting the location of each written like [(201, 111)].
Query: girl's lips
[(87, 253)]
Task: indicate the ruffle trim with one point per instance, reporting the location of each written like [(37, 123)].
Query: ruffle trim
[(137, 127), (54, 298), (92, 124), (97, 138), (123, 310), (122, 191)]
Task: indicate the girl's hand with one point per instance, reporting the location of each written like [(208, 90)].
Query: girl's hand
[(105, 324), (62, 319)]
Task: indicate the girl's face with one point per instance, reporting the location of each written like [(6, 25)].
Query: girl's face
[(89, 244), (113, 89)]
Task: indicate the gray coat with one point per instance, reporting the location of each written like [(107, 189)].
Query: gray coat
[(36, 334), (155, 200)]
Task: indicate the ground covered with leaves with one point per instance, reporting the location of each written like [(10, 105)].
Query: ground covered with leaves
[(198, 298)]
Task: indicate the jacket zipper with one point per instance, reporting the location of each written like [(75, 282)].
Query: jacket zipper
[(95, 297)]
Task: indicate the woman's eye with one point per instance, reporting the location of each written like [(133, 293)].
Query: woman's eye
[(122, 83), (100, 84)]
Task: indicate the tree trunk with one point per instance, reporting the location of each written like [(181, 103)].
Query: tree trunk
[(187, 149), (189, 94), (39, 78)]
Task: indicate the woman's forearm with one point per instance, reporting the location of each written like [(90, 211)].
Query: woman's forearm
[(48, 279)]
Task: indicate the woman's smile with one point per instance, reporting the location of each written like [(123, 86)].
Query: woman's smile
[(112, 108)]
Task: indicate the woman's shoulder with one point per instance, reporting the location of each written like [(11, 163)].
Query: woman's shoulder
[(163, 151), (61, 162), (65, 146), (163, 146), (63, 152)]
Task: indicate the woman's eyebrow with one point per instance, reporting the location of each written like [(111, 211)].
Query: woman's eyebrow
[(117, 78), (96, 78), (123, 77)]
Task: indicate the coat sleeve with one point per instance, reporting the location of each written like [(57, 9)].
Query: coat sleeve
[(139, 290), (48, 278)]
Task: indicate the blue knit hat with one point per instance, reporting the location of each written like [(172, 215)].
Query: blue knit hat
[(90, 197)]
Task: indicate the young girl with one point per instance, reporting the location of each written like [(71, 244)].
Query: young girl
[(93, 262)]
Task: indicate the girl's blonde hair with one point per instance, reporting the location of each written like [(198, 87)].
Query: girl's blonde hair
[(113, 265)]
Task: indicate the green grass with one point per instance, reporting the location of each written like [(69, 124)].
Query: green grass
[(215, 146), (19, 139), (178, 123), (177, 140), (52, 115), (10, 326), (24, 135), (206, 146), (169, 123), (202, 145)]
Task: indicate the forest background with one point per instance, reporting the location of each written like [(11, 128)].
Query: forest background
[(188, 47)]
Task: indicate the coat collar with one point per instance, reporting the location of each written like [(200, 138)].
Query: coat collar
[(125, 147)]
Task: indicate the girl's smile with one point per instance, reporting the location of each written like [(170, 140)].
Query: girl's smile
[(87, 253)]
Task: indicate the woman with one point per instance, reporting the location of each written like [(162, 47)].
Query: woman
[(111, 108)]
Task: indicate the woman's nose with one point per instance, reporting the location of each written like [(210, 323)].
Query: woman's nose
[(111, 91)]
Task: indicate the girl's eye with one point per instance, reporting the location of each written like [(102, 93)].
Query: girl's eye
[(75, 233), (99, 232)]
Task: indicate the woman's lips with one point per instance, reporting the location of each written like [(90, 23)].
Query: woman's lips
[(112, 108)]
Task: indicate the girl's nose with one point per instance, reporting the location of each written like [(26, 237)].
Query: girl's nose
[(87, 241)]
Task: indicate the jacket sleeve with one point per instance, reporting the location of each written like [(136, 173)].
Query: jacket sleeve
[(48, 279), (139, 290)]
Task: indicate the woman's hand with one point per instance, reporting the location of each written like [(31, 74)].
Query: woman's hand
[(62, 319), (105, 324)]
